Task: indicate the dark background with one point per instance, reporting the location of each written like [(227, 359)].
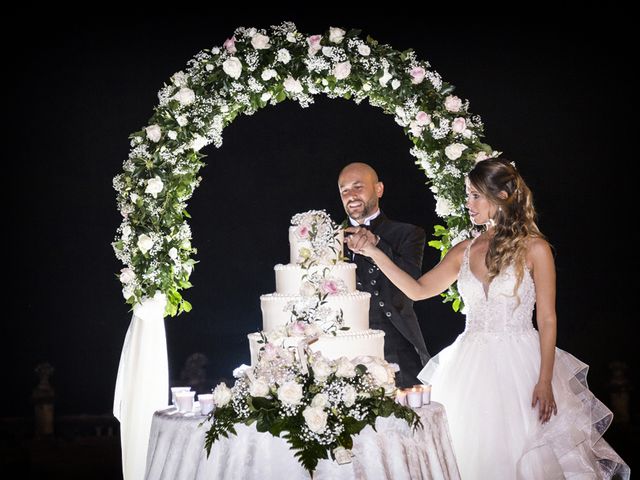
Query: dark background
[(552, 99)]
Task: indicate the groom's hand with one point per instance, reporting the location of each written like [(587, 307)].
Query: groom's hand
[(360, 240)]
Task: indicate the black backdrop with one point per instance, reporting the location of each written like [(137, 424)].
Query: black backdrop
[(550, 100)]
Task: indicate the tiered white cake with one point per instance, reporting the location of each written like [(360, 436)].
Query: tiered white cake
[(316, 295)]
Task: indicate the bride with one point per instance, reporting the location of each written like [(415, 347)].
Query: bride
[(518, 407)]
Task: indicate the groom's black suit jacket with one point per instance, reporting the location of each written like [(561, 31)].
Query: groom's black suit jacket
[(391, 310)]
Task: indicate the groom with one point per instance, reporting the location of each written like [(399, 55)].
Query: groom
[(390, 310)]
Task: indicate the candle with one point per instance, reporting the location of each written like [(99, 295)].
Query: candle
[(426, 394), (401, 397), (414, 397), (206, 403), (177, 389), (184, 401)]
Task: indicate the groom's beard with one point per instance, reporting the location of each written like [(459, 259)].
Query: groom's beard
[(367, 209)]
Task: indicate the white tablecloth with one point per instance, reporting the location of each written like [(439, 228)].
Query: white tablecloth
[(394, 451)]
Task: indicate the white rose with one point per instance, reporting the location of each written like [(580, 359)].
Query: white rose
[(349, 395), (321, 369), (379, 373), (284, 56), (179, 79), (154, 133), (344, 368), (134, 197), (221, 395), (126, 232), (260, 42), (172, 134), (395, 83), (364, 50), (173, 253), (320, 401), (316, 418), (251, 32), (481, 156), (268, 74), (215, 50), (290, 392), (292, 85), (342, 70), (154, 186), (466, 133), (224, 108), (454, 151), (307, 289), (384, 79), (452, 103), (458, 125), (145, 243), (265, 96), (127, 275), (444, 207), (291, 37), (259, 388), (232, 67), (366, 87), (185, 96), (336, 35), (415, 129), (326, 51), (182, 120), (128, 291), (209, 67), (198, 143)]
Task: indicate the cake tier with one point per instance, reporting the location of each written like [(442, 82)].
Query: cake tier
[(354, 306), (344, 344), (290, 277), (331, 255)]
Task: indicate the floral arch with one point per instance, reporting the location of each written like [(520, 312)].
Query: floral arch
[(256, 68)]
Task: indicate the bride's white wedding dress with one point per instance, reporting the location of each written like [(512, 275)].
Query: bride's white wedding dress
[(485, 380)]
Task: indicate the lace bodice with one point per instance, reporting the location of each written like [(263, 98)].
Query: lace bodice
[(497, 310)]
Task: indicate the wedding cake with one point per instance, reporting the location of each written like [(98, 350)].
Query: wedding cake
[(316, 296)]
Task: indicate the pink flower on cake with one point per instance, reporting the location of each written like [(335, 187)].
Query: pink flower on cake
[(330, 287), (297, 329), (423, 118), (458, 125), (303, 231), (452, 103)]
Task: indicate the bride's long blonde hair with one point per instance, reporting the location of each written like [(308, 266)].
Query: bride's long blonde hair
[(515, 218)]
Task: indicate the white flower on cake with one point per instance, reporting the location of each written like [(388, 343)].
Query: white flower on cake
[(154, 186), (260, 42), (320, 401), (344, 368), (453, 103), (127, 275), (349, 395), (185, 96), (154, 133), (336, 35), (232, 66), (145, 243), (322, 368)]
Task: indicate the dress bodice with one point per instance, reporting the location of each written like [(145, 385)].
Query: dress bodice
[(498, 310)]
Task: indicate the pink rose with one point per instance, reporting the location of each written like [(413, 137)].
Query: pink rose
[(269, 351), (417, 75), (423, 118), (230, 45), (303, 231), (314, 44), (452, 103), (297, 328), (458, 125), (342, 70), (330, 287)]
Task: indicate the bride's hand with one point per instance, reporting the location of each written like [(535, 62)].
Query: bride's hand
[(543, 395), (361, 240)]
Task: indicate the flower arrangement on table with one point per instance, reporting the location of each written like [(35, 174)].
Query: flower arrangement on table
[(315, 404)]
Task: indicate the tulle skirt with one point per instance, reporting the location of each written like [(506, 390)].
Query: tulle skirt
[(486, 381)]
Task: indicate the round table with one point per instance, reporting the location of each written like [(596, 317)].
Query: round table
[(393, 451)]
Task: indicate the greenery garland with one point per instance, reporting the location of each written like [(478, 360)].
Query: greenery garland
[(255, 68)]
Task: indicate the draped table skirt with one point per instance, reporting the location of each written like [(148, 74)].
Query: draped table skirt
[(393, 451)]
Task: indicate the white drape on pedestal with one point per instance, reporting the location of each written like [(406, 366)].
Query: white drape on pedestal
[(143, 382)]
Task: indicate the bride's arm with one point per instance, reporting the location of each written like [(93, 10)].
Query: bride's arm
[(544, 277), (432, 283)]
